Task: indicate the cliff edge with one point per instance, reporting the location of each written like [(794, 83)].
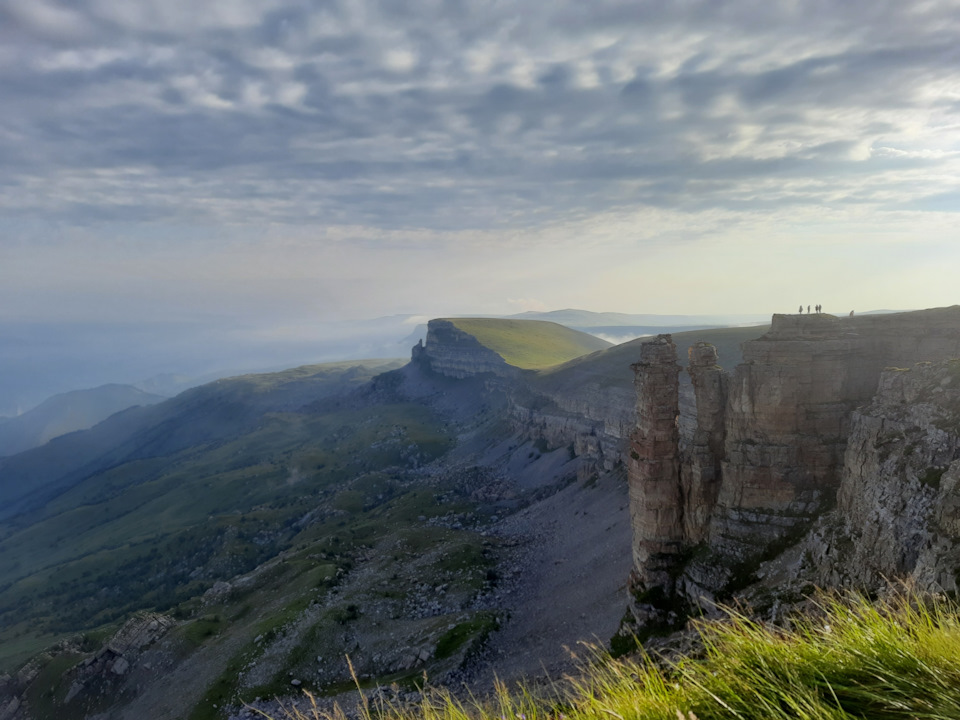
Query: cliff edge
[(770, 448)]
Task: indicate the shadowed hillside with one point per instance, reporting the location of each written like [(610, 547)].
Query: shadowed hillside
[(611, 366), (67, 412), (204, 414)]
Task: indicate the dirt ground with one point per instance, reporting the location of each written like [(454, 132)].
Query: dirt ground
[(568, 582)]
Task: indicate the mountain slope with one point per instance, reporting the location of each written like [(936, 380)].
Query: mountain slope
[(529, 344), (201, 415), (67, 412), (154, 502), (611, 366), (286, 535)]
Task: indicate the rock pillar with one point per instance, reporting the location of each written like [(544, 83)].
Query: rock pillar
[(656, 497), (701, 468)]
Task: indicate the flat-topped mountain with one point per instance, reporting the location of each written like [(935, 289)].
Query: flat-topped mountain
[(586, 319), (463, 347)]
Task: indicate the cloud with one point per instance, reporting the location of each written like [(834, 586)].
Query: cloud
[(450, 130), (438, 117)]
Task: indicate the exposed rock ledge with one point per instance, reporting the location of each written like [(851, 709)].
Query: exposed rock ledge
[(453, 353), (898, 506), (766, 457)]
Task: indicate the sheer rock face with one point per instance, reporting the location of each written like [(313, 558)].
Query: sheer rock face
[(700, 470), (451, 352), (595, 421), (789, 411), (766, 456), (898, 505), (656, 499)]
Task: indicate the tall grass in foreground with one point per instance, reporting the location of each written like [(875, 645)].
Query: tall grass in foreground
[(851, 659)]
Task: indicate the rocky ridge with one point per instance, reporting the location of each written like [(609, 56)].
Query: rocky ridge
[(453, 353), (766, 457), (898, 505)]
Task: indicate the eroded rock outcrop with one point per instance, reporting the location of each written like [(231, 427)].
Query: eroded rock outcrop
[(898, 505), (656, 500), (451, 352), (701, 469), (100, 673), (765, 458)]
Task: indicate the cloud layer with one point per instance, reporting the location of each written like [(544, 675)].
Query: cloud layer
[(230, 173), (450, 115)]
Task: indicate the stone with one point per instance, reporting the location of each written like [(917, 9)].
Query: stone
[(656, 503), (8, 710), (898, 505), (454, 353), (701, 462), (75, 688), (760, 458)]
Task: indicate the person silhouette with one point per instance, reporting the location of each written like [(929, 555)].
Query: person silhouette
[(808, 309), (801, 310)]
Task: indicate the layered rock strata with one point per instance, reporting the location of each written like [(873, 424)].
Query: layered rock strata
[(595, 422), (701, 469), (764, 459), (656, 498), (898, 505), (453, 353)]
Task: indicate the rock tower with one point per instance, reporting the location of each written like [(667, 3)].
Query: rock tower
[(656, 500), (764, 458)]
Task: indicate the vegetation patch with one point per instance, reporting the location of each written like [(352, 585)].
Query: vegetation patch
[(475, 631), (198, 631), (530, 344), (849, 660), (932, 476)]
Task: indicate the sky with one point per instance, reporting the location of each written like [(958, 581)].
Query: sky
[(273, 165)]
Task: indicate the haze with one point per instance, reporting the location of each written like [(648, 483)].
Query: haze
[(185, 184)]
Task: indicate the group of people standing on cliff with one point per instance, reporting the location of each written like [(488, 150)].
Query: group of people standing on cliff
[(817, 309)]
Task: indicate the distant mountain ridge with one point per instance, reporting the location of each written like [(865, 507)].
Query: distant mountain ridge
[(69, 412), (583, 319), (200, 415)]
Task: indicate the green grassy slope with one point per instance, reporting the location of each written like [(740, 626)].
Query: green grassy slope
[(850, 660), (530, 344), (208, 413), (227, 472), (611, 367), (321, 515)]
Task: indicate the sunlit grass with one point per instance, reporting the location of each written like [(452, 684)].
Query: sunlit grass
[(850, 658), (530, 344)]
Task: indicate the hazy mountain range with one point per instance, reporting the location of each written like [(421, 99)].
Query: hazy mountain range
[(67, 412), (42, 359)]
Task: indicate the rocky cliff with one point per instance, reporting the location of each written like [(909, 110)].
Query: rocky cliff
[(590, 403), (656, 498), (898, 505), (766, 455), (451, 352)]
